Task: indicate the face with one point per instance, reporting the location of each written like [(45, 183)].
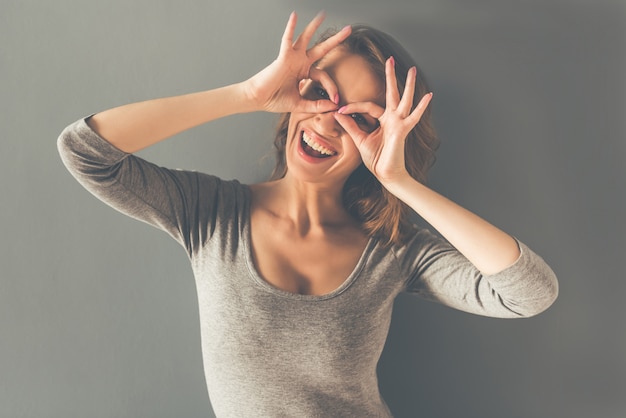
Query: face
[(318, 150)]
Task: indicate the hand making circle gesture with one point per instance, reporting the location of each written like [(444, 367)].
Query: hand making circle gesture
[(275, 88), (382, 150)]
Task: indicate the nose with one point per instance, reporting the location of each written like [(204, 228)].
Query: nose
[(327, 125)]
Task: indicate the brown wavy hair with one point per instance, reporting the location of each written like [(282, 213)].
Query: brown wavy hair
[(381, 214)]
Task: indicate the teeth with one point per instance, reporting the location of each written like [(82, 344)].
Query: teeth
[(317, 147)]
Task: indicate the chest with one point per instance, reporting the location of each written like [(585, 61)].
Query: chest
[(305, 265)]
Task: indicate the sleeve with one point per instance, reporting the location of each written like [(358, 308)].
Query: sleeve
[(438, 272), (166, 199)]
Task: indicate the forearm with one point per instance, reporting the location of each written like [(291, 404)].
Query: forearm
[(135, 126), (488, 248)]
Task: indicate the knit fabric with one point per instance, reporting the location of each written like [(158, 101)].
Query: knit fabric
[(271, 353)]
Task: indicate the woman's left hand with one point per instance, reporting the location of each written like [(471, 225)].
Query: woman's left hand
[(382, 150)]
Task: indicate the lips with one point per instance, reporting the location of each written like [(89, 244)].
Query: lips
[(314, 148)]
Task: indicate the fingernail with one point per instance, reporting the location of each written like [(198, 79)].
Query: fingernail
[(336, 98), (341, 109), (392, 61), (345, 28)]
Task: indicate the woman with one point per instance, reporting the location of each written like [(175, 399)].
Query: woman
[(296, 277)]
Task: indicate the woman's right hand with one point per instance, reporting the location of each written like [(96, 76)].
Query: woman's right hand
[(276, 87)]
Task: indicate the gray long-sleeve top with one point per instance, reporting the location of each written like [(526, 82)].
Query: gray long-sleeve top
[(271, 353)]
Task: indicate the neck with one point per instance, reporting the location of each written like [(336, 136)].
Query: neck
[(310, 207)]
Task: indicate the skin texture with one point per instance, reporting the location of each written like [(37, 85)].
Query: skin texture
[(328, 101), (354, 82), (304, 208), (310, 208)]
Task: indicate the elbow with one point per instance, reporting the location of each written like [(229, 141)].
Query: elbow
[(68, 146), (543, 295), (534, 283), (65, 148), (84, 153), (550, 294)]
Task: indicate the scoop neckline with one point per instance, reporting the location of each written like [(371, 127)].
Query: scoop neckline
[(246, 237)]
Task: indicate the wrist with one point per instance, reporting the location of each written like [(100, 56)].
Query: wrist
[(400, 186), (243, 94)]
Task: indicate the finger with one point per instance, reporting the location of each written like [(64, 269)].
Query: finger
[(409, 91), (351, 127), (392, 95), (321, 49), (370, 108), (305, 37), (415, 116), (287, 39), (326, 82), (314, 106)]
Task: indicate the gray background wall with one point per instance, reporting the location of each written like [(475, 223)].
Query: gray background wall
[(98, 315)]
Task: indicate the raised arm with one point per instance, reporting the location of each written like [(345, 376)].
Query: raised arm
[(488, 248), (97, 150), (487, 271), (133, 127)]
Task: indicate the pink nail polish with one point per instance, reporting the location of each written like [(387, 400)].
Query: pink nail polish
[(336, 98), (392, 61), (342, 109)]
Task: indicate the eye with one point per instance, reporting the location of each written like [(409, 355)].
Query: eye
[(366, 123), (320, 92), (314, 91), (358, 118)]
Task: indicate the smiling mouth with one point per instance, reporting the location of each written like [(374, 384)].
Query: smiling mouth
[(313, 149)]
